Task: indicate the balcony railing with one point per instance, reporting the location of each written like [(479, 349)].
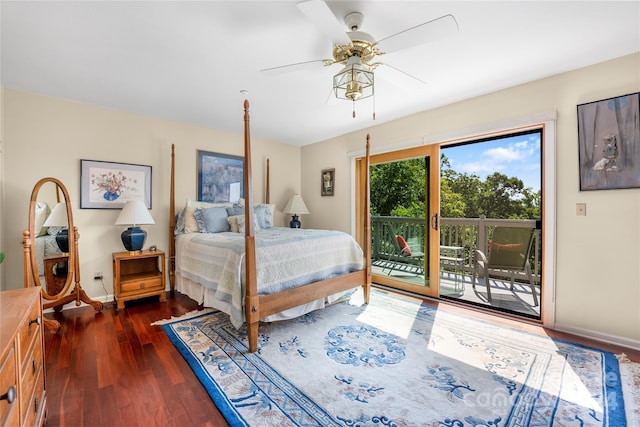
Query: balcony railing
[(468, 233)]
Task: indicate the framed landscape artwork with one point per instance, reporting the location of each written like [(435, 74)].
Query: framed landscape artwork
[(609, 143), (109, 185), (220, 177)]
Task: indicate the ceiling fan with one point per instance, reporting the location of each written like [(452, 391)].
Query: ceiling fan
[(357, 50)]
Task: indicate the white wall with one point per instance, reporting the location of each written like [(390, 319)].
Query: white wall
[(597, 256), (47, 137)]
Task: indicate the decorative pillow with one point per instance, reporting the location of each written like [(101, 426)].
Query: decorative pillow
[(233, 222), (240, 222), (212, 220), (42, 211), (404, 247), (190, 223), (271, 207), (237, 223), (235, 210), (179, 229), (263, 216)]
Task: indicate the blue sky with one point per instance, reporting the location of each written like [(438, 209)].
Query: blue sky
[(517, 156)]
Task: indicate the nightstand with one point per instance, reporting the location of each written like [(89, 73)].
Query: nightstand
[(137, 275)]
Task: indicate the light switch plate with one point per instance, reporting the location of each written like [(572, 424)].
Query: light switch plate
[(581, 209)]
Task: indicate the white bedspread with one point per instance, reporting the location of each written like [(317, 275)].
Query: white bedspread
[(285, 258)]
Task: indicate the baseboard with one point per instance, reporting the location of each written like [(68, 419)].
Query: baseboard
[(599, 336)]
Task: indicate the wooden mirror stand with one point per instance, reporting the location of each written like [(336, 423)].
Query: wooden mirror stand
[(61, 268)]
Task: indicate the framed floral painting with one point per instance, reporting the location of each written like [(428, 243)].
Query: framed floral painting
[(109, 185)]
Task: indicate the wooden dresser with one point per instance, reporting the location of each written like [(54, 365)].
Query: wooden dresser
[(22, 391)]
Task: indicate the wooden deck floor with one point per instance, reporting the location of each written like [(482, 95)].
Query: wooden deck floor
[(458, 287)]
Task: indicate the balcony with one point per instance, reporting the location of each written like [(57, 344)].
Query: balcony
[(466, 235)]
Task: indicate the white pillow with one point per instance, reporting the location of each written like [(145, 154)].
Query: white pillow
[(42, 211)]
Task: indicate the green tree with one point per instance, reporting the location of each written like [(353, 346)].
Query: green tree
[(398, 188)]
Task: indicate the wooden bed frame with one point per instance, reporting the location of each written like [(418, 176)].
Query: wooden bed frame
[(259, 306)]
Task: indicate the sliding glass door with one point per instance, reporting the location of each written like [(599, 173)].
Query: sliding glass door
[(404, 219)]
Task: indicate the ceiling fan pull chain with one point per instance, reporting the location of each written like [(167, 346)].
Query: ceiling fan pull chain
[(354, 108), (374, 106)]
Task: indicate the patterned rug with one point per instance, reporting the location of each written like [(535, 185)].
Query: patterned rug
[(396, 362)]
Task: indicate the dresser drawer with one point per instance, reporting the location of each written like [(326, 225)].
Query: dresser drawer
[(31, 370), (30, 330), (150, 283), (9, 412), (34, 408)]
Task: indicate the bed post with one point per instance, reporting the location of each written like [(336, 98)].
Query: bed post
[(251, 285), (366, 287), (267, 195), (172, 222)]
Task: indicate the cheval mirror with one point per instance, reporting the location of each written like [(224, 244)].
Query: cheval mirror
[(51, 249)]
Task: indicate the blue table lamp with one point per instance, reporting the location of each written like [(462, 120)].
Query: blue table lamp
[(296, 207), (134, 213)]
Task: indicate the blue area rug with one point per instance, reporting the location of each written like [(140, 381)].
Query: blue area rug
[(396, 362)]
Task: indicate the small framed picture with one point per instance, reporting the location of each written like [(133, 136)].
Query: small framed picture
[(328, 182), (109, 185), (608, 136), (220, 177)]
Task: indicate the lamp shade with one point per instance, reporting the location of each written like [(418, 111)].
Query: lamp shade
[(296, 206), (134, 213), (58, 218)]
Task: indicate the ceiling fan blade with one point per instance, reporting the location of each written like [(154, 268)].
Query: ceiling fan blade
[(405, 73), (438, 28), (292, 67), (319, 13)]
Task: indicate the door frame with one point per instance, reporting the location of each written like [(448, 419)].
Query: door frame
[(548, 119), (431, 288)]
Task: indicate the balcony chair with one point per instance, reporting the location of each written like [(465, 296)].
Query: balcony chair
[(403, 257), (509, 250)]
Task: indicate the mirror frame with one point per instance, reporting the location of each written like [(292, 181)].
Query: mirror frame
[(72, 259)]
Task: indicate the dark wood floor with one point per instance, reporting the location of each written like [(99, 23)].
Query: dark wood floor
[(113, 368)]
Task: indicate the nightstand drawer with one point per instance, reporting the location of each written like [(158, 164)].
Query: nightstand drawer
[(145, 284)]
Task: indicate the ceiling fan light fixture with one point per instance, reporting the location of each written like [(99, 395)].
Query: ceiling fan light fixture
[(355, 81)]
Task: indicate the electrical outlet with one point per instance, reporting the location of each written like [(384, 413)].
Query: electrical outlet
[(97, 275)]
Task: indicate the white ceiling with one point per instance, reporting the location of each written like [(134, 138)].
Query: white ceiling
[(188, 61)]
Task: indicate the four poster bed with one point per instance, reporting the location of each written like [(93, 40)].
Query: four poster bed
[(297, 270)]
